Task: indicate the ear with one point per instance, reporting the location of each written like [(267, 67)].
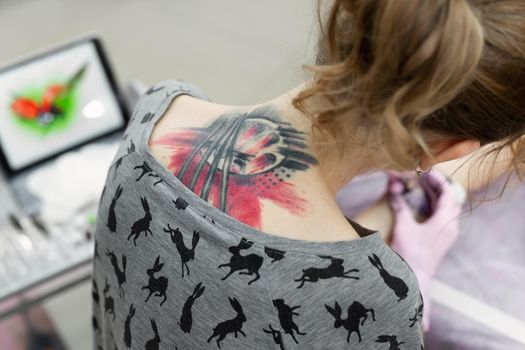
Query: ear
[(447, 148)]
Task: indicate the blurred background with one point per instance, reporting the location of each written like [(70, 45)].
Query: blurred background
[(239, 52)]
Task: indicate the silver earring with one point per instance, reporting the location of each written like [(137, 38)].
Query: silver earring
[(419, 171)]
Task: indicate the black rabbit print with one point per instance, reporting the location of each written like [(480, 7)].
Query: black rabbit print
[(156, 286), (112, 218), (127, 326), (142, 224), (119, 272), (334, 269), (233, 325), (153, 343), (145, 169), (276, 335), (257, 292), (153, 90), (356, 316), (286, 314), (147, 117), (180, 203), (395, 283), (118, 162), (95, 253), (109, 303), (186, 254), (94, 324), (251, 262), (391, 339), (274, 254), (186, 319), (94, 291), (418, 312), (418, 316)]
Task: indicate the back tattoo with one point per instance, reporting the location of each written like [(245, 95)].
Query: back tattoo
[(260, 153)]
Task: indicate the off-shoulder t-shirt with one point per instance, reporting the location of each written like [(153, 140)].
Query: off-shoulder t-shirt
[(171, 271)]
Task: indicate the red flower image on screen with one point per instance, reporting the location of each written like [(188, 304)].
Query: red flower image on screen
[(43, 108)]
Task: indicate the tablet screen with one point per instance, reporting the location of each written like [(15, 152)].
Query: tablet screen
[(53, 102)]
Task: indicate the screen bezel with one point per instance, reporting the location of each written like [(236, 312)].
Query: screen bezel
[(106, 66)]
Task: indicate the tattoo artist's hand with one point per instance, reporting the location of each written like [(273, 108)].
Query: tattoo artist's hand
[(424, 244)]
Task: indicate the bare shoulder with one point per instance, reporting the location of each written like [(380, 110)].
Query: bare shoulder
[(186, 115), (184, 111)]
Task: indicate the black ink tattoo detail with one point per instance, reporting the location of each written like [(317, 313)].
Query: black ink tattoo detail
[(246, 145)]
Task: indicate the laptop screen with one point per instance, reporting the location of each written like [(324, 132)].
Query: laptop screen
[(55, 101)]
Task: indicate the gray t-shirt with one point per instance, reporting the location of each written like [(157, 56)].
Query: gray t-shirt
[(171, 271)]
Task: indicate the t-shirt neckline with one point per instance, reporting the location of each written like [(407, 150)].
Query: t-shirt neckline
[(174, 88)]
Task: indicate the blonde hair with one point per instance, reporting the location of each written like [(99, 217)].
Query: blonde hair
[(408, 67)]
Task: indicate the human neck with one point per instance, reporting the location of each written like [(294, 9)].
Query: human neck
[(319, 184), (363, 156)]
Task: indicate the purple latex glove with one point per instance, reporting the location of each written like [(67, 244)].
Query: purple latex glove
[(424, 244)]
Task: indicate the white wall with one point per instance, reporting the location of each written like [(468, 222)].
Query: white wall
[(238, 51)]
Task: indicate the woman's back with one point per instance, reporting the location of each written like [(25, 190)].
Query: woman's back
[(173, 271)]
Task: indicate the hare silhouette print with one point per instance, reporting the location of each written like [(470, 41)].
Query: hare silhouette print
[(145, 169), (251, 262), (335, 269), (127, 326), (156, 286), (109, 303), (142, 224), (118, 162), (276, 335), (120, 273), (356, 315), (391, 339), (153, 344), (186, 254), (112, 218), (94, 291), (233, 325), (186, 319), (395, 283), (286, 314)]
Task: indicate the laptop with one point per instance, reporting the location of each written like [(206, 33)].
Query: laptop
[(54, 102)]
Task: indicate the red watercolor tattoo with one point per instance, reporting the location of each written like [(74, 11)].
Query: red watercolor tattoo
[(260, 152)]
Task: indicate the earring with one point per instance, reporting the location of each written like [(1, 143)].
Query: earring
[(419, 171)]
